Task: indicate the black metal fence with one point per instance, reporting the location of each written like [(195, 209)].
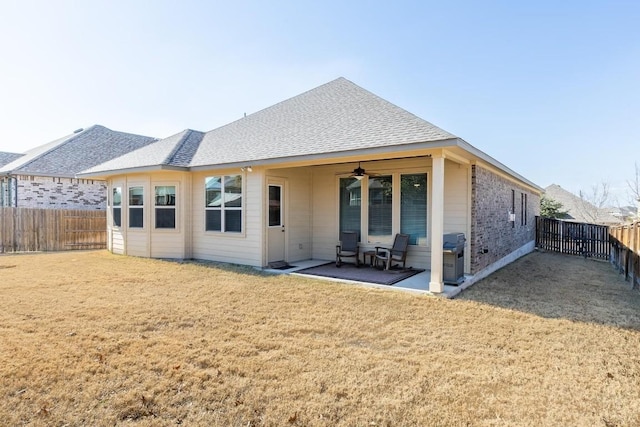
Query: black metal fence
[(573, 238)]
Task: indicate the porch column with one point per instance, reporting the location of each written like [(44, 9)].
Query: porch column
[(437, 222)]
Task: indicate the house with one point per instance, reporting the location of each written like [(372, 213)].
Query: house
[(45, 177), (579, 209), (625, 213), (280, 184)]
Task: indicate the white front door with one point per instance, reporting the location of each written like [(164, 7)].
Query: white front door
[(276, 231)]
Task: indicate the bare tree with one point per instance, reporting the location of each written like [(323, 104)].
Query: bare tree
[(591, 204), (634, 189)]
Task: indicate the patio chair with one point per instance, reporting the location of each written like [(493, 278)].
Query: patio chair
[(397, 253), (348, 247)]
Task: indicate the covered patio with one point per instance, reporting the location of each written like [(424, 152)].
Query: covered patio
[(418, 283)]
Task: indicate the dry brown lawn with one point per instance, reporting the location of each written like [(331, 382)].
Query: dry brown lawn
[(91, 338)]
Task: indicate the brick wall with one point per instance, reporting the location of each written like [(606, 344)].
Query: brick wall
[(493, 235), (60, 193)]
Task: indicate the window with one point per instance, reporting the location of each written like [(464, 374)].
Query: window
[(413, 207), (223, 203), (388, 204), (512, 213), (350, 204), (136, 207), (165, 206), (116, 205), (381, 209), (275, 205)]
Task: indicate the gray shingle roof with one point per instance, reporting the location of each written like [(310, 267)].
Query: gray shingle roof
[(6, 158), (336, 117), (76, 152), (176, 151), (578, 209)]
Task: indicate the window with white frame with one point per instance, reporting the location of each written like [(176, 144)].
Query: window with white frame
[(223, 203), (380, 213), (136, 207), (165, 206), (413, 207), (116, 206), (350, 204), (396, 203)]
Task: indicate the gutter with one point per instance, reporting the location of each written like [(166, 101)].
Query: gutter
[(312, 159)]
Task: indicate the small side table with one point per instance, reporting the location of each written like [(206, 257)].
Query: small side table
[(371, 255)]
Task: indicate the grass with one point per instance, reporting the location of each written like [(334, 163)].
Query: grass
[(91, 338)]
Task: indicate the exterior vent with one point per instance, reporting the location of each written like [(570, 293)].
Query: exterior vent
[(78, 130)]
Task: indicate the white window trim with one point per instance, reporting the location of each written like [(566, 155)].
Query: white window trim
[(395, 226), (242, 209), (111, 206), (142, 207), (178, 226)]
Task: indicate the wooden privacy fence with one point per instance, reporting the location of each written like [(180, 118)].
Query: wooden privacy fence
[(28, 230), (625, 251), (574, 238)]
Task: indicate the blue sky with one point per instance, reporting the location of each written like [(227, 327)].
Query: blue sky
[(549, 88)]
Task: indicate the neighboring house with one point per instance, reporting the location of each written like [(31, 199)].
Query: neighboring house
[(625, 213), (579, 209), (282, 183), (45, 177)]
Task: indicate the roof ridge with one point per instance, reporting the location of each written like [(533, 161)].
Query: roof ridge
[(246, 116), (181, 143)]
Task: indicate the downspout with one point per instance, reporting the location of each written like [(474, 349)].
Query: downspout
[(15, 191)]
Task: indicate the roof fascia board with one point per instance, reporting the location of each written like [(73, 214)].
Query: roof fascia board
[(496, 164), (125, 171), (313, 159)]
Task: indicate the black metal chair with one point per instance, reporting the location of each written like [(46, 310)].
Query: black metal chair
[(397, 253), (348, 247)]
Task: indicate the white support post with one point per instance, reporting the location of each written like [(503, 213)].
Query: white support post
[(437, 223)]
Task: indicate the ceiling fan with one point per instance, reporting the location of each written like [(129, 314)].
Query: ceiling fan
[(359, 173)]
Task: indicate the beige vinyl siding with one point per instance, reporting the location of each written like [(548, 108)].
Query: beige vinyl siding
[(456, 198), (238, 248), (138, 243), (457, 202), (298, 211), (149, 241), (117, 242), (166, 244), (325, 212)]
